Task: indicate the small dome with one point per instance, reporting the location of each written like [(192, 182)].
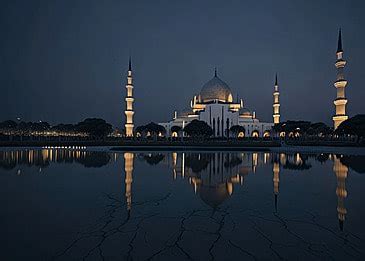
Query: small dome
[(185, 112), (244, 111), (216, 89)]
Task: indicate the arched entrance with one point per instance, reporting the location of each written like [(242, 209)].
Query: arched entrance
[(255, 134), (266, 134)]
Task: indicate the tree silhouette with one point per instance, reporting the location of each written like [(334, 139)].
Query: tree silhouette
[(64, 128), (140, 130), (155, 129), (176, 129), (299, 127), (318, 129), (198, 128), (236, 129), (8, 125), (94, 127), (353, 126)]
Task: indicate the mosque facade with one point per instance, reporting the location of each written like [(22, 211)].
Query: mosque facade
[(215, 105)]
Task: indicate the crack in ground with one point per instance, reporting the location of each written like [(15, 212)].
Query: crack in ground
[(102, 233), (242, 250)]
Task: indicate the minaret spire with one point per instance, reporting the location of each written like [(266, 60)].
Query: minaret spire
[(129, 102), (340, 84), (276, 103), (339, 43), (276, 79)]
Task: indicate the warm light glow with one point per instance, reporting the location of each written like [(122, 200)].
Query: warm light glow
[(266, 134), (129, 106), (340, 84), (128, 168)]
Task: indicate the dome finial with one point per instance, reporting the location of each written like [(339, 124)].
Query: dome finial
[(215, 71)]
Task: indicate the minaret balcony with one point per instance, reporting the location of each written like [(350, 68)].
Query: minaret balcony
[(276, 93), (129, 99), (340, 63), (129, 86), (127, 113), (340, 101), (340, 117), (276, 105), (340, 83)]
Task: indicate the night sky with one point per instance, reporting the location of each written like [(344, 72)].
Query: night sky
[(63, 61)]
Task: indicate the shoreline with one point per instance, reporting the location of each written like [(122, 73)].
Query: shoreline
[(282, 149)]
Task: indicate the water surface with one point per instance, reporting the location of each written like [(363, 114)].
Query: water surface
[(69, 205)]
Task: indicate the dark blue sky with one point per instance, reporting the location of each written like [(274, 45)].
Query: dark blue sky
[(63, 61)]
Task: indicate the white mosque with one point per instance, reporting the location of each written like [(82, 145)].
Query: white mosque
[(215, 106)]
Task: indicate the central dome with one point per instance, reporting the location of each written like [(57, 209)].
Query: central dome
[(216, 89)]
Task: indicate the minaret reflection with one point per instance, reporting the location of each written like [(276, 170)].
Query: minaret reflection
[(128, 168), (183, 165), (174, 163), (276, 180), (254, 161), (341, 174)]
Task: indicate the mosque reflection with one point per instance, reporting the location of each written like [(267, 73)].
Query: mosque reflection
[(213, 176)]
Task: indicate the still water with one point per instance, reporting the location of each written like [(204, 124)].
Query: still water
[(71, 205)]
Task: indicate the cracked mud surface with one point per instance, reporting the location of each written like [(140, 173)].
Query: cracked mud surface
[(220, 234)]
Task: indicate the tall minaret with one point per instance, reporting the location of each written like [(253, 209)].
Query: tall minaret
[(340, 84), (276, 104), (129, 102)]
